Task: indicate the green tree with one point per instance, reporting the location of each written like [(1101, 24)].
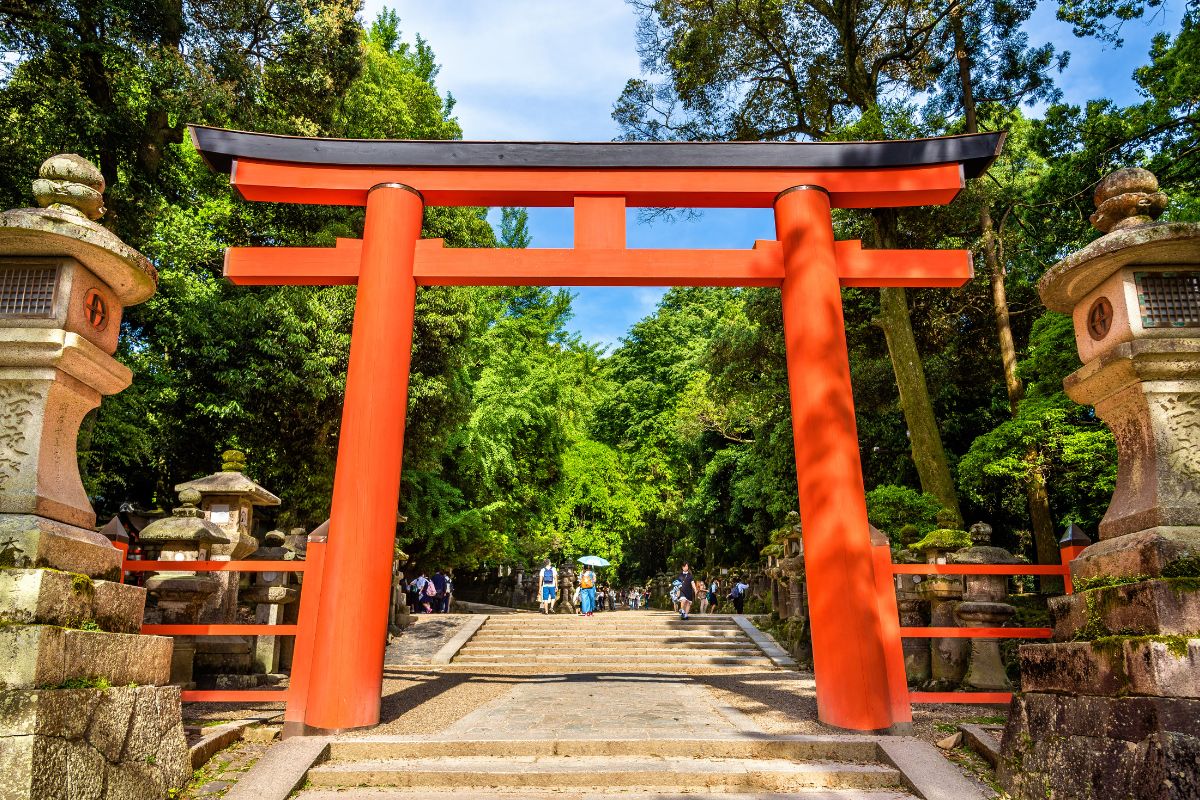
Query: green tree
[(785, 70)]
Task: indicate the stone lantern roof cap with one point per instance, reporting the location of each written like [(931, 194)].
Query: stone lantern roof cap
[(234, 483), (186, 524), (70, 189)]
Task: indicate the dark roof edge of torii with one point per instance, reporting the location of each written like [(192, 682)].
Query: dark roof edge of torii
[(220, 148)]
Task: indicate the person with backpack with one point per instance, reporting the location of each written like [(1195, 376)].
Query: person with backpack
[(714, 589), (687, 590), (440, 583), (738, 595), (425, 591), (549, 584), (587, 592)]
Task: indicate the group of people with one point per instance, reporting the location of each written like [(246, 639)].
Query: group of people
[(685, 589), (431, 595), (590, 596)]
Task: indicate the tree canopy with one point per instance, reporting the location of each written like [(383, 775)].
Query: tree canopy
[(524, 440)]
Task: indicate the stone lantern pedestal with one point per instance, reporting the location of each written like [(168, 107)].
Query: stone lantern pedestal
[(983, 606), (84, 706), (1111, 708)]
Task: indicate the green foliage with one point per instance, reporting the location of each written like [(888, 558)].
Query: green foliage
[(892, 508), (1050, 437), (942, 539)]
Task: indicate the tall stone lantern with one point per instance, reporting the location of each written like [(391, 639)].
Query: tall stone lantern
[(1111, 707), (64, 281), (84, 706)]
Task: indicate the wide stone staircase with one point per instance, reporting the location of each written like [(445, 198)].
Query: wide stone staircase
[(629, 641), (614, 707)]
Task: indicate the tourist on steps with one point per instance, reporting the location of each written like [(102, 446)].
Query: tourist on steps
[(549, 587), (713, 597), (687, 591), (587, 592), (738, 595)]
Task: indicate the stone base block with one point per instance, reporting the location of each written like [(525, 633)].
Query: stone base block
[(46, 655), (28, 541), (1083, 748), (1147, 553), (51, 597), (1114, 667), (220, 655), (92, 744), (1165, 606)]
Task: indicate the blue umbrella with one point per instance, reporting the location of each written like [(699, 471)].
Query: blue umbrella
[(593, 561)]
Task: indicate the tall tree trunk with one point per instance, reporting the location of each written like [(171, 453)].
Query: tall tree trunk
[(1045, 541), (925, 439)]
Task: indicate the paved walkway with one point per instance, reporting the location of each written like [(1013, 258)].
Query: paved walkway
[(602, 706)]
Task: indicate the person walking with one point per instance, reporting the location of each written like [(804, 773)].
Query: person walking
[(702, 593), (714, 588), (549, 582), (738, 595), (587, 592), (687, 590), (419, 586), (439, 591)]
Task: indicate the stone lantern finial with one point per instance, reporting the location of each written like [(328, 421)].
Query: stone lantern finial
[(188, 498), (1127, 198), (233, 461), (70, 184)]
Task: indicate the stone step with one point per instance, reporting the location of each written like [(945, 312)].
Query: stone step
[(611, 619), (603, 772), (607, 659), (699, 635), (642, 668), (480, 644), (557, 793), (845, 747), (479, 648)]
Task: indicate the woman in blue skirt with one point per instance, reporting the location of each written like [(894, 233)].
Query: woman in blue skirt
[(587, 591)]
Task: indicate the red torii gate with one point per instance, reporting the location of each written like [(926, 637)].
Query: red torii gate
[(859, 670)]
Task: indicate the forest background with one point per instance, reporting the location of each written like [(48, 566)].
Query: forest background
[(524, 440)]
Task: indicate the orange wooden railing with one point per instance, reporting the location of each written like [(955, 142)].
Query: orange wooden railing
[(893, 634), (303, 630)]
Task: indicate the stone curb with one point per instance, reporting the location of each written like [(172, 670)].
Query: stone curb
[(282, 770), (982, 742), (926, 771), (451, 648), (221, 736), (779, 657)]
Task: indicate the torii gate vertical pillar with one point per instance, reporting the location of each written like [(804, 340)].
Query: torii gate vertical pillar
[(848, 653), (347, 667)]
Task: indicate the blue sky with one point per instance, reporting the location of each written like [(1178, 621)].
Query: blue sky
[(551, 70)]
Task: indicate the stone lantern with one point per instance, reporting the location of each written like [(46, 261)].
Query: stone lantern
[(64, 281), (228, 499), (84, 706), (948, 656), (270, 594), (983, 606), (1115, 694), (183, 537)]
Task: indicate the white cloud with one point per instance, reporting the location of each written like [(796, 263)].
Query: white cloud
[(526, 69)]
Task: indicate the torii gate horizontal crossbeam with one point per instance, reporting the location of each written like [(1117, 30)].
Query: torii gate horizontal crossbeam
[(436, 265)]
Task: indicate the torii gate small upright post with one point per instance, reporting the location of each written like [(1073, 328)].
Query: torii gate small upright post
[(859, 671)]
